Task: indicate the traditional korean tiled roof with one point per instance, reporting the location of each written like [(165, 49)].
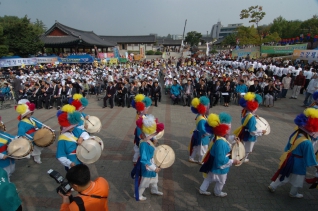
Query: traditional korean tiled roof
[(169, 42), (129, 39), (71, 35)]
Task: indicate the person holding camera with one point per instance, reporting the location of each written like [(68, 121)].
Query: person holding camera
[(92, 195)]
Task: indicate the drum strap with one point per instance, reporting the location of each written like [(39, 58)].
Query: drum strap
[(31, 131), (3, 148), (26, 120), (238, 131), (286, 160)]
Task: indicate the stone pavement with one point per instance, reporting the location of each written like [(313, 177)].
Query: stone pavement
[(246, 185)]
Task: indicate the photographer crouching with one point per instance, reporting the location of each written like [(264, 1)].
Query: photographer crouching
[(92, 195)]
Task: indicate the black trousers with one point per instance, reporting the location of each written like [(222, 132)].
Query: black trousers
[(57, 100), (45, 100), (120, 100), (110, 101), (156, 98)]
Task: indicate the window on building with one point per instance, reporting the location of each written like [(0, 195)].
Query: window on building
[(123, 46)]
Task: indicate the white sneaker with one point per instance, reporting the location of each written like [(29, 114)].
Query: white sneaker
[(246, 160), (191, 160), (298, 196), (157, 193), (271, 189), (222, 194), (38, 161), (142, 198), (204, 192)]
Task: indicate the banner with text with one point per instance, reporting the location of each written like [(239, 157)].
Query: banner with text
[(253, 52), (51, 60), (287, 49), (311, 55), (17, 62)]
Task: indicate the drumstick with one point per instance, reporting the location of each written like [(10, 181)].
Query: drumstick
[(84, 148), (90, 122), (164, 159), (14, 151), (261, 121)]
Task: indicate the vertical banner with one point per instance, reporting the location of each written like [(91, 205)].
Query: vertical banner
[(207, 49), (126, 55), (116, 52), (142, 51)]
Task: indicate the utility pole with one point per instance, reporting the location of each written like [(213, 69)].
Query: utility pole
[(181, 47)]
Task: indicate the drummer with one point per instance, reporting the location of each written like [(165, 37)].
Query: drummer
[(141, 103), (248, 131), (217, 162), (200, 137), (299, 154), (149, 171), (71, 136), (29, 125), (80, 103), (8, 164)]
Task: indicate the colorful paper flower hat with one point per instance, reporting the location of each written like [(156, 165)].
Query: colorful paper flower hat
[(78, 101), (141, 102), (150, 125), (200, 105), (68, 117), (251, 101), (308, 120), (24, 108), (219, 125)]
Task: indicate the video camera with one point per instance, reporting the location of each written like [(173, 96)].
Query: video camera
[(64, 187)]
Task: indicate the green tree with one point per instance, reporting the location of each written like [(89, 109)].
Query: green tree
[(20, 35), (256, 14), (310, 26), (39, 26), (193, 38), (286, 29), (169, 36), (248, 35), (3, 48), (230, 39), (273, 37)]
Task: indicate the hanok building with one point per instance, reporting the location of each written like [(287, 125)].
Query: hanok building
[(131, 43), (64, 39)]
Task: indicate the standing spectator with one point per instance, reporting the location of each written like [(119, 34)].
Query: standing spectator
[(311, 88), (110, 92), (156, 93), (299, 82), (17, 87), (286, 84)]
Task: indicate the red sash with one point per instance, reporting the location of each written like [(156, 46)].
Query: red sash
[(31, 131), (3, 148)]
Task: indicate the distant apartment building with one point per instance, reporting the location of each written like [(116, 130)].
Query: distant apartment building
[(218, 31)]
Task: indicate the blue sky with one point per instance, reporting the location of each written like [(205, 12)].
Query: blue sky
[(142, 17)]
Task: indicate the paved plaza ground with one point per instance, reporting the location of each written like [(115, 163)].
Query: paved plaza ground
[(246, 185)]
